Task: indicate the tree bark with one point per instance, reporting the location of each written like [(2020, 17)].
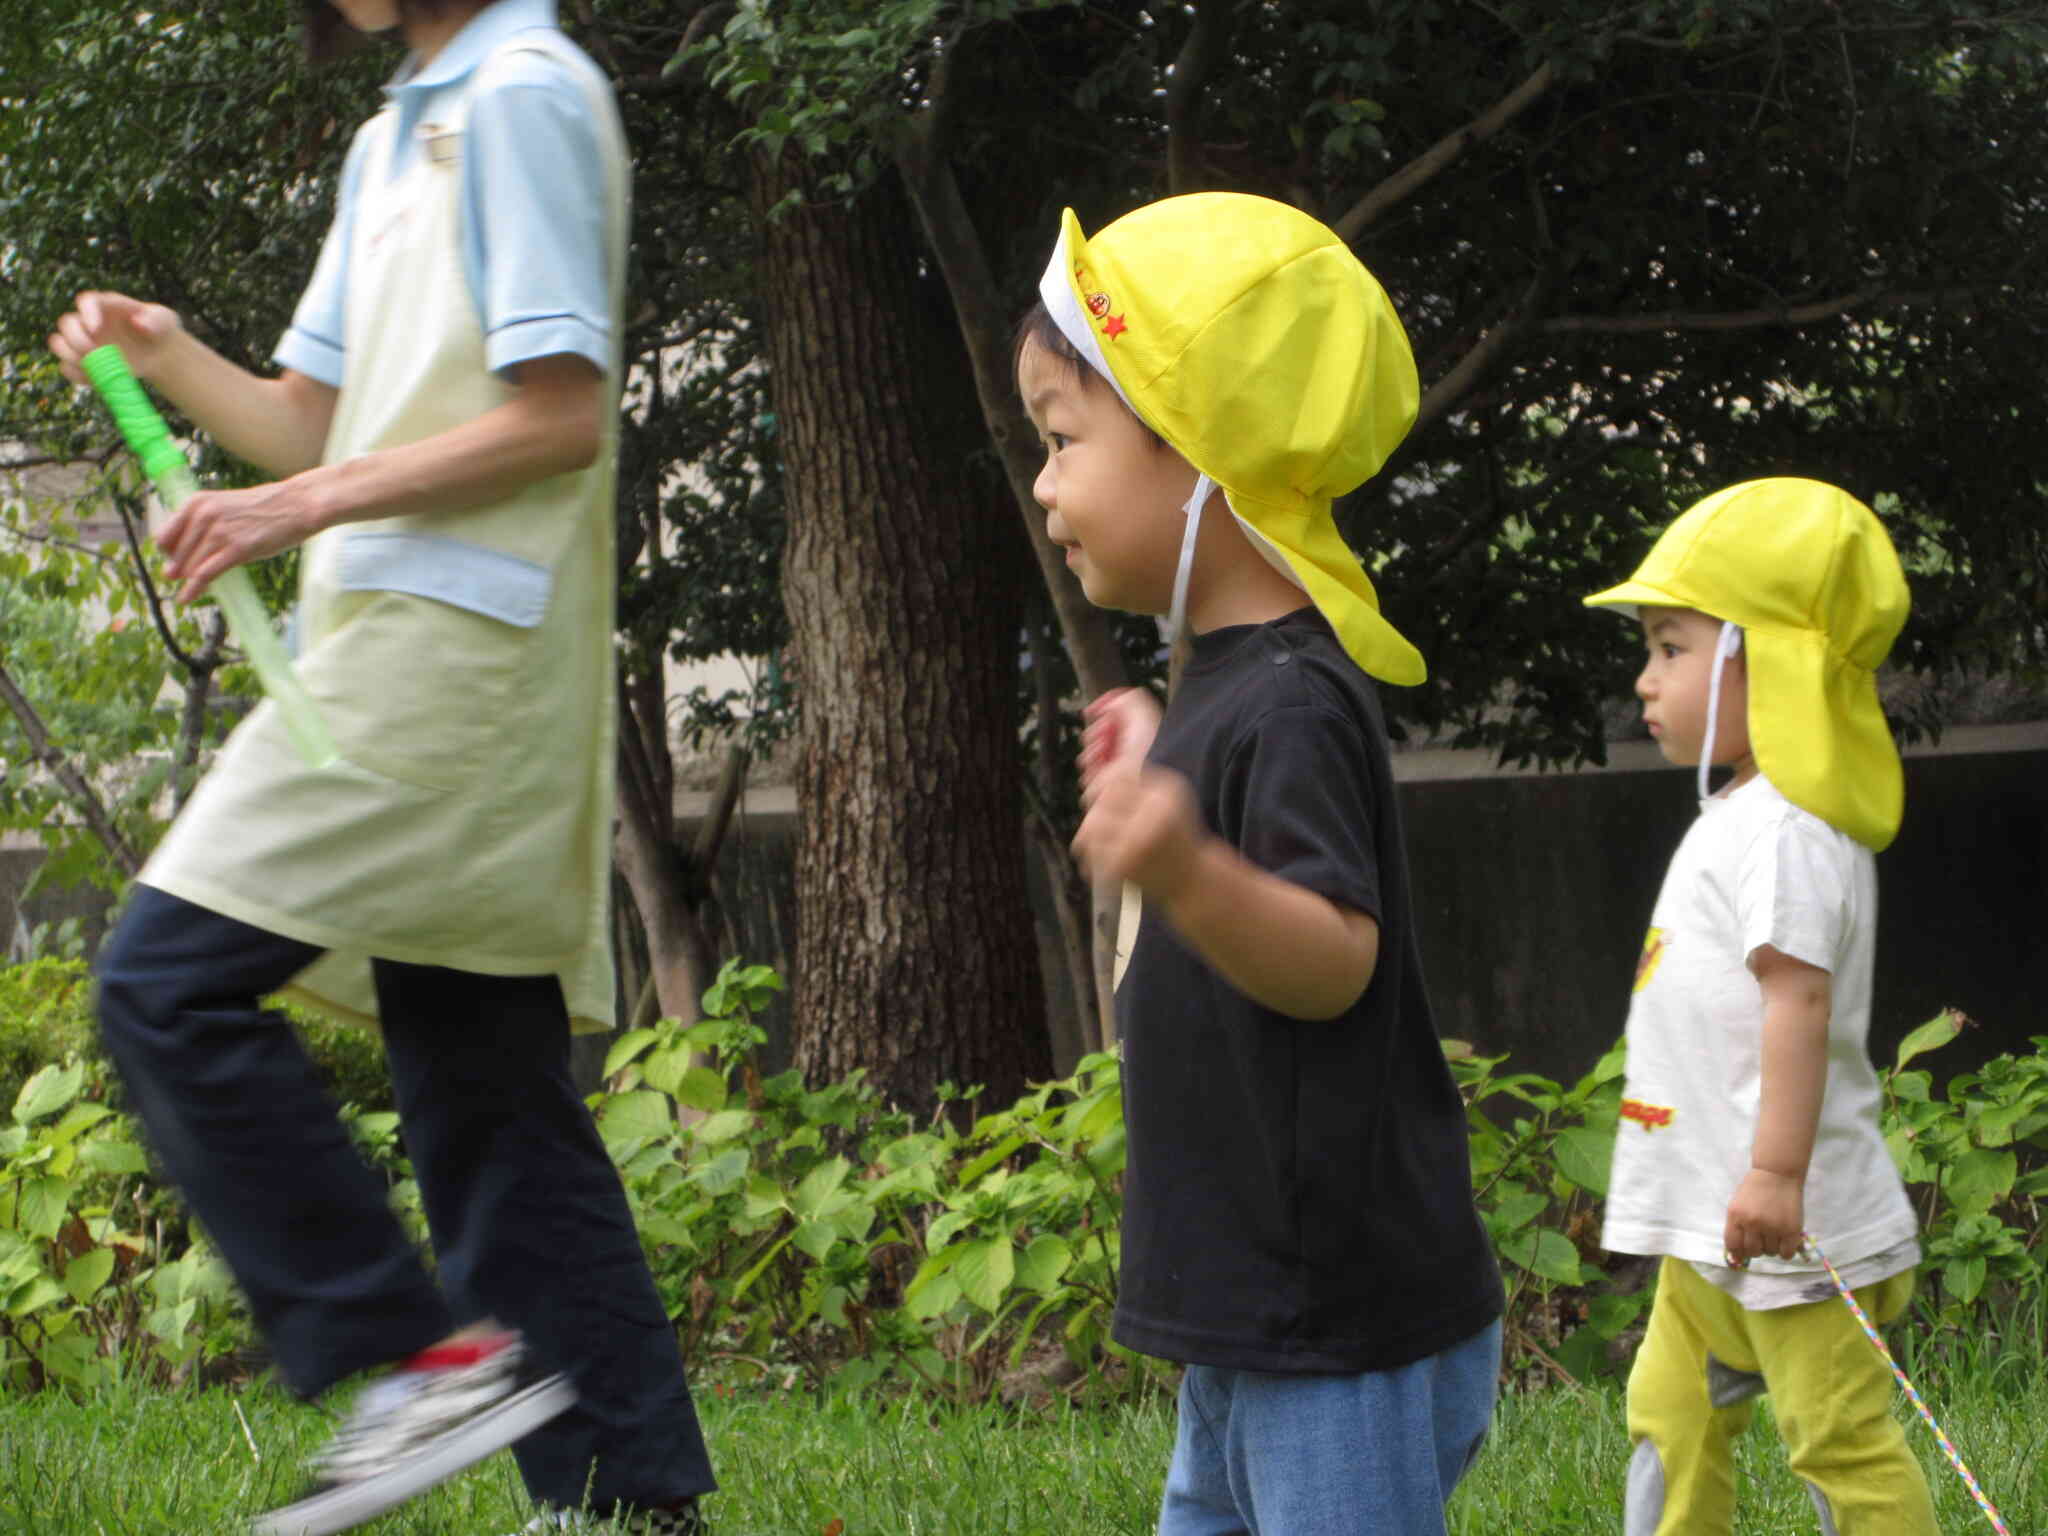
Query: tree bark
[(915, 956)]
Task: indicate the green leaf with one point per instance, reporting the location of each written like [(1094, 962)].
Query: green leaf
[(635, 1116), (701, 1088), (1041, 1265), (1585, 1156), (1607, 1315), (78, 1119), (1932, 1035), (39, 1292), (816, 1238), (1964, 1278), (724, 1173), (931, 1294), (1546, 1253), (44, 1201), (1516, 1207), (48, 1091), (1980, 1178), (627, 1046), (104, 1154), (666, 1068), (985, 1271), (84, 1275), (723, 1126), (818, 1185)]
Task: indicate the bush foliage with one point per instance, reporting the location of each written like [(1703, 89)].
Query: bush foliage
[(820, 1236)]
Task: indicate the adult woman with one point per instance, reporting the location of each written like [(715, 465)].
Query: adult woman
[(441, 439)]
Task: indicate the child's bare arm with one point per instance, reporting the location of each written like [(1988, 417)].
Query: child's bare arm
[(1767, 1214), (1281, 944)]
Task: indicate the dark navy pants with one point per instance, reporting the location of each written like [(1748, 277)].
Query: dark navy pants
[(529, 1223)]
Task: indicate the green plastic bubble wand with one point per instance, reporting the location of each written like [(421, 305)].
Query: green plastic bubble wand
[(165, 465)]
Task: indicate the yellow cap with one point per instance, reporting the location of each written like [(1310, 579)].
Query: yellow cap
[(1807, 571), (1248, 336)]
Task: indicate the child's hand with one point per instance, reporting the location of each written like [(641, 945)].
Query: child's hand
[(102, 319), (1767, 1215), (1121, 725), (1142, 826)]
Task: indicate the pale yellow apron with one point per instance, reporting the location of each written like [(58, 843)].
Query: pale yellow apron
[(463, 661)]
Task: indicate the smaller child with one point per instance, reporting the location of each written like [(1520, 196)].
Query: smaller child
[(1750, 1109), (1206, 373)]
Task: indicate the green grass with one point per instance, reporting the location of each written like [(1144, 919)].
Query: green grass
[(137, 1464)]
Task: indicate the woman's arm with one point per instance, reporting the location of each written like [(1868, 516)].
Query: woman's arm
[(553, 424), (279, 425)]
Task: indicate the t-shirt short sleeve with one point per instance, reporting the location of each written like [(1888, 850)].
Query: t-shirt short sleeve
[(534, 216), (313, 343), (1795, 891), (1297, 800)]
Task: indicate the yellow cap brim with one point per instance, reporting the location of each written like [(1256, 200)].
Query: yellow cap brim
[(1632, 595)]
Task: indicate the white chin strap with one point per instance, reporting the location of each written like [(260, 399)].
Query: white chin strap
[(1728, 645), (1178, 614)]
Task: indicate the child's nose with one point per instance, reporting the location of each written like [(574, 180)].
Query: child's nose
[(1044, 487), (1644, 686)]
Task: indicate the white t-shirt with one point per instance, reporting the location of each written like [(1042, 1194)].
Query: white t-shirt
[(1753, 870)]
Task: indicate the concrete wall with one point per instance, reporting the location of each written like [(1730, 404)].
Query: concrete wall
[(1533, 891)]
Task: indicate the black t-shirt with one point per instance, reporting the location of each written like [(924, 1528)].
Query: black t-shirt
[(1298, 1196)]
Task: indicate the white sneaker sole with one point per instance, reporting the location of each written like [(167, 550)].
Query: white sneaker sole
[(350, 1504)]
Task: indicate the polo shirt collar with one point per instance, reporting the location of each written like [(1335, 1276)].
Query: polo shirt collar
[(471, 46)]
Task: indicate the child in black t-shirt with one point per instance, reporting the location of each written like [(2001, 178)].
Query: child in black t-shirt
[(1207, 373)]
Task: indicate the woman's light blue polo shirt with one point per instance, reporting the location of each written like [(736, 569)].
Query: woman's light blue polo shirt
[(532, 206)]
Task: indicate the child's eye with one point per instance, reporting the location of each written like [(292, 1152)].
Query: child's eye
[(1055, 441)]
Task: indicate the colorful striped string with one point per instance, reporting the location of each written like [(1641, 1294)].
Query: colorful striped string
[(1871, 1333)]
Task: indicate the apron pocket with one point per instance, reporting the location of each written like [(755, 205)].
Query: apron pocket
[(419, 690)]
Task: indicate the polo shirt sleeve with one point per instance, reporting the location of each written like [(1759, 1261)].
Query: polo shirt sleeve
[(313, 345), (534, 217), (1297, 800)]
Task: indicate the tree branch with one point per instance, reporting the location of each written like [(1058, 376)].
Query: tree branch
[(129, 516), (1872, 296), (1444, 152), (1199, 56), (977, 304), (711, 831), (1482, 354), (97, 818), (192, 718)]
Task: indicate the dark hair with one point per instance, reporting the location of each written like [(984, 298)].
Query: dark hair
[(1038, 328), (329, 36)]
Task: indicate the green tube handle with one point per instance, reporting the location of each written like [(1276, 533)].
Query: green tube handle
[(164, 463)]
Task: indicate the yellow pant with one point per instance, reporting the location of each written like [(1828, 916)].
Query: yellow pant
[(1704, 1360)]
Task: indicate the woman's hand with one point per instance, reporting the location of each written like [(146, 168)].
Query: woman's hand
[(216, 531), (139, 329)]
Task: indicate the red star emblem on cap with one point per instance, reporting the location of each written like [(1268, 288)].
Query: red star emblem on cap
[(1114, 327)]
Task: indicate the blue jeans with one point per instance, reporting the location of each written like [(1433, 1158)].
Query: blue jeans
[(1370, 1455), (528, 1218)]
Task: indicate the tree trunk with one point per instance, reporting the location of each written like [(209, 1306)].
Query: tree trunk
[(915, 955)]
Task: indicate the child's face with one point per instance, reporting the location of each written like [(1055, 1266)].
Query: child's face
[(1112, 493), (1674, 684)]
